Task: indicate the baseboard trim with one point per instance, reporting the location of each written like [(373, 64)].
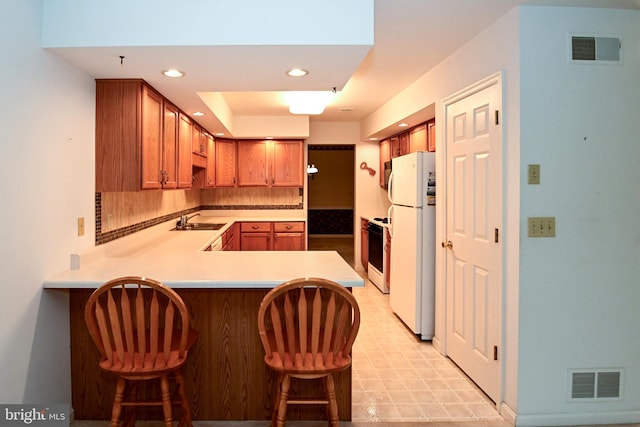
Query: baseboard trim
[(582, 418)]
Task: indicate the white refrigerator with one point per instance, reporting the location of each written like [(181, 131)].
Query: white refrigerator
[(412, 228)]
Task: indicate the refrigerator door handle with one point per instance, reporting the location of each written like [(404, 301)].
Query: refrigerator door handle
[(390, 216), (390, 185)]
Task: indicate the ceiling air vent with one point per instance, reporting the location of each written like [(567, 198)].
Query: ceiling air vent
[(595, 48), (595, 385)]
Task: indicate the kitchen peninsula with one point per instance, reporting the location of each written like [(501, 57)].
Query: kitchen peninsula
[(226, 377)]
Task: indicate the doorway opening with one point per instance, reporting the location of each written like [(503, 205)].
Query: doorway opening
[(331, 199)]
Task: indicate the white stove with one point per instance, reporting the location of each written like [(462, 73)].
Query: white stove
[(378, 254)]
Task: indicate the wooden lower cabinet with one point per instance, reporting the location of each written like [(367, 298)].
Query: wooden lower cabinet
[(231, 238), (288, 236), (255, 236), (272, 236), (364, 243), (225, 374)]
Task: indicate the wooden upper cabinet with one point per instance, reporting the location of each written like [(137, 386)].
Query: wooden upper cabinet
[(403, 144), (270, 163), (211, 163), (418, 139), (199, 140), (185, 134), (385, 156), (225, 163), (169, 170), (431, 135), (287, 164), (395, 146), (252, 164), (151, 139), (124, 134), (143, 141)]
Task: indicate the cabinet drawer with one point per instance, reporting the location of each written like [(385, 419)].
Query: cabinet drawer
[(285, 227), (249, 227)]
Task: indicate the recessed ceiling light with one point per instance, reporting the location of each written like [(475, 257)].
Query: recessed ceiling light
[(403, 125), (268, 137), (220, 134), (198, 113), (297, 72), (373, 138), (172, 73)]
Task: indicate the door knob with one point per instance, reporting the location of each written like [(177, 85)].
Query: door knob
[(448, 244)]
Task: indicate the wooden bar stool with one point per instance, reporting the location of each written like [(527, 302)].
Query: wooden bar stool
[(141, 329), (307, 327)]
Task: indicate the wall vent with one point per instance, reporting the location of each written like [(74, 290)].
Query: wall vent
[(586, 48), (603, 384)]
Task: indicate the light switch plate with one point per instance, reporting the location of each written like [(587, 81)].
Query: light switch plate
[(81, 226), (541, 226), (533, 173)]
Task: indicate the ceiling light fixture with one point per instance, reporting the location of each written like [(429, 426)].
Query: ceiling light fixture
[(297, 72), (198, 113), (172, 73), (220, 134), (403, 125), (309, 103)]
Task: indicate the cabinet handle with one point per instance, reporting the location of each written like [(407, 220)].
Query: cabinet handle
[(255, 227), (289, 227)]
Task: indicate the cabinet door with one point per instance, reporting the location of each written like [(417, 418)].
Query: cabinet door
[(211, 164), (184, 152), (252, 164), (431, 135), (196, 132), (225, 159), (403, 143), (395, 146), (385, 156), (364, 243), (255, 241), (287, 164), (170, 147), (151, 133), (288, 242), (418, 139)]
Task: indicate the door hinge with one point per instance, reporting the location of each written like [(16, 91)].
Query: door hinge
[(496, 235), (495, 352), (497, 117)]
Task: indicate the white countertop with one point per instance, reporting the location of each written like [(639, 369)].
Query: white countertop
[(177, 259)]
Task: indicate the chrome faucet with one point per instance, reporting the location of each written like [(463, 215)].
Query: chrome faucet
[(183, 221)]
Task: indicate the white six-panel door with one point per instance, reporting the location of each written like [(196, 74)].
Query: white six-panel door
[(473, 233)]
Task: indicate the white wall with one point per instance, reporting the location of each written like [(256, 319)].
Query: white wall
[(47, 151), (579, 292)]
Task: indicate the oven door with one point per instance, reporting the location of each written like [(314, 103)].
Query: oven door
[(376, 246)]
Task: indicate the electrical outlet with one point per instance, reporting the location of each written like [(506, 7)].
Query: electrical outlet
[(81, 226), (533, 174), (541, 226)]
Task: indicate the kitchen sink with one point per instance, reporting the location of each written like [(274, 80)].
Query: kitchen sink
[(200, 226)]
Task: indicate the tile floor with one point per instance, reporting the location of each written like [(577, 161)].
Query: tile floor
[(397, 377)]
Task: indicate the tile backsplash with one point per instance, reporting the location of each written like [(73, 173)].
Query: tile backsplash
[(123, 213)]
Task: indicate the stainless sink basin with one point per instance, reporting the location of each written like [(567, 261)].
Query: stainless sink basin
[(200, 226)]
